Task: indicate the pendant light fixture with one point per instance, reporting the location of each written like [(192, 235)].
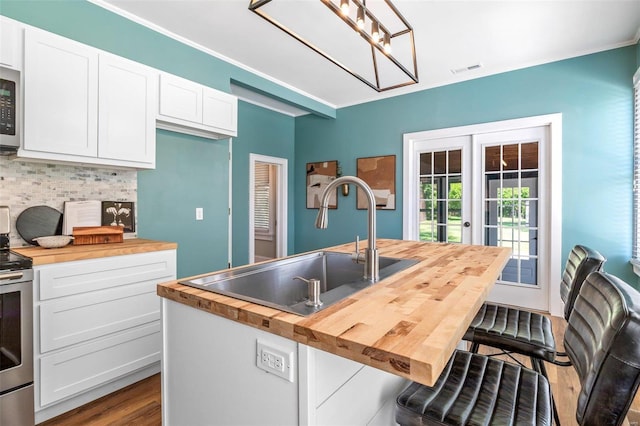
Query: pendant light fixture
[(377, 29)]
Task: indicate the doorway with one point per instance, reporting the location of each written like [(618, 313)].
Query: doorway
[(267, 207), (490, 184)]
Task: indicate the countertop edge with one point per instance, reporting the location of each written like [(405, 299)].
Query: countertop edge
[(41, 256)]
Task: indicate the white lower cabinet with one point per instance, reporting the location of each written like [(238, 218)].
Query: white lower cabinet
[(96, 327)]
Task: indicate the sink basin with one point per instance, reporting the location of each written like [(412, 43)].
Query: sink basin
[(272, 284)]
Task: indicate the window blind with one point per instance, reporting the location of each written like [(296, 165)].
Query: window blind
[(636, 164), (262, 200)]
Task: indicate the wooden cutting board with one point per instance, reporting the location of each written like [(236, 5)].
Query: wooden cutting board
[(97, 235)]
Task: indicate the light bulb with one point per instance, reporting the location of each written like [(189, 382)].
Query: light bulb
[(360, 18), (387, 43), (344, 7), (375, 32)]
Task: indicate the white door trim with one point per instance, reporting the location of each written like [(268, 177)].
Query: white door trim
[(554, 208), (281, 200)]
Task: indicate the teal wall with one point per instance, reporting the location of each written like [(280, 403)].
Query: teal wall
[(190, 172), (267, 133), (594, 94)]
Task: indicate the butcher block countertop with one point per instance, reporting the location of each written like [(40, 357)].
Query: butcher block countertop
[(43, 256), (408, 324)]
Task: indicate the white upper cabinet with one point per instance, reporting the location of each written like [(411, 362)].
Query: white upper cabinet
[(60, 95), (192, 108), (85, 105), (180, 99), (128, 95), (11, 44), (220, 110)]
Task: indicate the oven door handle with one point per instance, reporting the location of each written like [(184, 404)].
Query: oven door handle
[(11, 276)]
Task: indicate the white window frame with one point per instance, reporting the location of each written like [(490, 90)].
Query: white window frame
[(265, 233), (635, 258)]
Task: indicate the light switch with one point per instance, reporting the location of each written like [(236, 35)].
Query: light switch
[(199, 213)]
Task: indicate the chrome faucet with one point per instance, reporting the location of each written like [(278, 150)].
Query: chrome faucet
[(371, 267)]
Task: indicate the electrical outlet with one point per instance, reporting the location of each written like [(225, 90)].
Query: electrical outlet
[(199, 213), (274, 360)]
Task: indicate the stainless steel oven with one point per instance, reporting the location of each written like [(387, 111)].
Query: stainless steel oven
[(16, 340)]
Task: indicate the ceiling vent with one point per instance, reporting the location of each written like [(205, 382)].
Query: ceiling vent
[(467, 68)]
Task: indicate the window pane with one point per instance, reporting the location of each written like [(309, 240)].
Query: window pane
[(455, 161), (492, 158), (454, 234), (440, 162), (510, 157), (425, 163), (530, 155)]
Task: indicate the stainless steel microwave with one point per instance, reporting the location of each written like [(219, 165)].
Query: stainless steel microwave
[(10, 110)]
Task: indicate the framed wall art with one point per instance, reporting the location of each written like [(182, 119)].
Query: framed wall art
[(119, 213), (319, 175), (380, 174)]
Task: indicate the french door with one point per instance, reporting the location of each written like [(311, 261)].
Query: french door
[(488, 188)]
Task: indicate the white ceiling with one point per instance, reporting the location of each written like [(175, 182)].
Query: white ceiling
[(501, 35)]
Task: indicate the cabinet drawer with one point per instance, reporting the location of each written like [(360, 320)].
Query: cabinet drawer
[(78, 369), (69, 278), (76, 319)]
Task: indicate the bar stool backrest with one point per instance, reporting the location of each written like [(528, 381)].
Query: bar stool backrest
[(581, 262), (602, 340)]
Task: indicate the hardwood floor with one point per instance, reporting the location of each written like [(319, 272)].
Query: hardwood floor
[(139, 404)]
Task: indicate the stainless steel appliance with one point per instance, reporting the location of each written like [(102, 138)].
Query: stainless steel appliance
[(16, 333), (10, 110)]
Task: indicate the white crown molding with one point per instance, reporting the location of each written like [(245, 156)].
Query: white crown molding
[(183, 40)]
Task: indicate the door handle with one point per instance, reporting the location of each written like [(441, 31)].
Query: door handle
[(466, 224)]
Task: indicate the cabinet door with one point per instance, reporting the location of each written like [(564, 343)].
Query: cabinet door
[(127, 110), (180, 98), (220, 110), (60, 95), (11, 43)]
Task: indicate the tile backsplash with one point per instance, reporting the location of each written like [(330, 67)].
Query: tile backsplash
[(26, 184)]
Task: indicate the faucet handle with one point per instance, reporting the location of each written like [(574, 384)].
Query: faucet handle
[(356, 256)]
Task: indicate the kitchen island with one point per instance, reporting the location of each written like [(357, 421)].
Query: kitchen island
[(352, 356)]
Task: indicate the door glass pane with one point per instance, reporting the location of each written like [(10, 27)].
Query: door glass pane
[(511, 209), (425, 163), (455, 161), (510, 157), (492, 159), (440, 162), (530, 155), (440, 196)]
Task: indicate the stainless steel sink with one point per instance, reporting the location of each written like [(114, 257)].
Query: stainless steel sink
[(272, 283)]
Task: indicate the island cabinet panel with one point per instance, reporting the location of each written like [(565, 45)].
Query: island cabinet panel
[(210, 377), (96, 326), (341, 391)]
